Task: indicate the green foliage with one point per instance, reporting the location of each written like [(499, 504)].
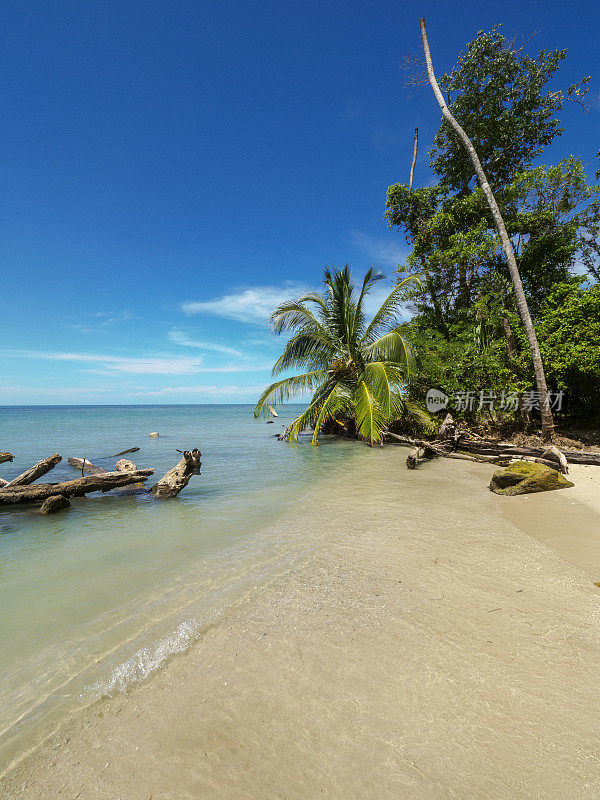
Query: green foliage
[(502, 102), (467, 334), (356, 370), (568, 329)]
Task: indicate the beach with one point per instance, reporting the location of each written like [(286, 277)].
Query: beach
[(423, 646)]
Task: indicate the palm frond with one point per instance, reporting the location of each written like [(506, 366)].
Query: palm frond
[(388, 310), (310, 415), (284, 390), (393, 348), (308, 350), (383, 380), (342, 305), (336, 400), (370, 417), (371, 277), (293, 315), (314, 297)]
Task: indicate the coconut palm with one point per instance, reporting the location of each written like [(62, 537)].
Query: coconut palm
[(356, 369)]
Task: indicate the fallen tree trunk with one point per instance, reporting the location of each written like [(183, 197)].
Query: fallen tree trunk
[(35, 472), (6, 457), (103, 482), (85, 467), (124, 453), (177, 478), (507, 449), (3, 483)]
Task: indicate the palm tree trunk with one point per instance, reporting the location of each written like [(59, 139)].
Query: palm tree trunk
[(414, 160), (538, 367)]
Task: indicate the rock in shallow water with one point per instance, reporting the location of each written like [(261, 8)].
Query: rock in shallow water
[(524, 477), (54, 504)]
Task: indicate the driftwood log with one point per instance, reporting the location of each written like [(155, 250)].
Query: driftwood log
[(85, 467), (487, 447), (452, 443), (3, 483), (6, 457), (125, 465), (35, 472), (103, 482), (178, 478), (124, 452)]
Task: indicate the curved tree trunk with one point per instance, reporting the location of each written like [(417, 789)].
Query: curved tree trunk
[(540, 378)]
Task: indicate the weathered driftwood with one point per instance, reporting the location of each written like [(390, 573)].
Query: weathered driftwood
[(124, 453), (35, 472), (415, 456), (448, 428), (554, 452), (102, 482), (545, 461), (85, 467), (178, 478), (3, 482), (507, 449), (54, 504), (125, 465), (6, 457)]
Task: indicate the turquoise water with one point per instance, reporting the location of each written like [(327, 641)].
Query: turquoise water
[(95, 598)]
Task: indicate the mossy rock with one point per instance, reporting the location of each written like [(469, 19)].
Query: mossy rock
[(525, 477)]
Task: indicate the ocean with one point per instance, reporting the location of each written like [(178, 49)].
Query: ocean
[(96, 598)]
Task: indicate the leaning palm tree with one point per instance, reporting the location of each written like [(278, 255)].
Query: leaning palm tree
[(356, 369)]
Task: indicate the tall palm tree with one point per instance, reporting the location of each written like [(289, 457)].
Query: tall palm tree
[(536, 356), (356, 369)]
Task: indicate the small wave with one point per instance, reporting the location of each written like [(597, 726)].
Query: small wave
[(148, 659)]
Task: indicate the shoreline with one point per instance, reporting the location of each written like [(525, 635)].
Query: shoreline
[(426, 647)]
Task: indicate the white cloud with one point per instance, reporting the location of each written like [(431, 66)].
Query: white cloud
[(143, 365), (213, 392), (17, 394), (140, 365), (180, 337), (254, 304), (382, 250), (101, 321)]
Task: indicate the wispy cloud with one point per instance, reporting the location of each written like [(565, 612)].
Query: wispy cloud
[(139, 365), (101, 321), (143, 365), (202, 392), (253, 304), (384, 251), (16, 394), (184, 339)]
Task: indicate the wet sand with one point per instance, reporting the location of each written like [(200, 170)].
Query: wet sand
[(424, 648)]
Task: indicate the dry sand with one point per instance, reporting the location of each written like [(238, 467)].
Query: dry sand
[(424, 648)]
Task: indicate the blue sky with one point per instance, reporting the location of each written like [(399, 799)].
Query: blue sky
[(170, 171)]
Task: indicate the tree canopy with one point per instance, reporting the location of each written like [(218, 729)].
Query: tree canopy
[(466, 328)]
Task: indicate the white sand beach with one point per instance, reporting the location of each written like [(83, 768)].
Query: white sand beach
[(426, 647)]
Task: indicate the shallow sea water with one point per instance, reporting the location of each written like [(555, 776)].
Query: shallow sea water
[(96, 598)]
